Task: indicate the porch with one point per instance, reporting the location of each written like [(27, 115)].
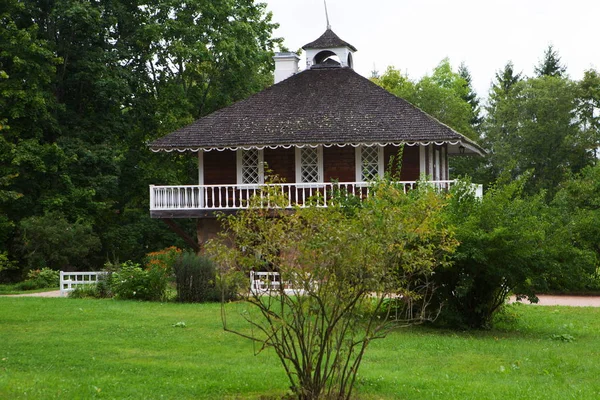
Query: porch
[(188, 201)]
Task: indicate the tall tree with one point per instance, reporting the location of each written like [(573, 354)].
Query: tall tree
[(85, 85), (588, 108), (471, 96), (533, 127), (550, 65)]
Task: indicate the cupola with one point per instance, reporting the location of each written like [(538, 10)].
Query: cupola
[(329, 51)]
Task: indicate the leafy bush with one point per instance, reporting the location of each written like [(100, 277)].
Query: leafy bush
[(502, 238), (339, 266), (134, 283), (40, 279), (197, 280)]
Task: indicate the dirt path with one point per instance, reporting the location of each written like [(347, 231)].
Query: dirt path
[(54, 293), (574, 301)]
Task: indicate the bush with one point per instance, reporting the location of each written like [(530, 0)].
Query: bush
[(132, 282), (40, 279), (502, 250), (197, 280)]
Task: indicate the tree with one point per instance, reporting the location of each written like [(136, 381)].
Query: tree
[(588, 108), (354, 272), (471, 96), (442, 95), (84, 87), (532, 126), (550, 65)]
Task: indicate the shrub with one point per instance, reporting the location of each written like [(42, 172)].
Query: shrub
[(502, 238), (339, 267), (134, 283), (197, 280), (40, 279)]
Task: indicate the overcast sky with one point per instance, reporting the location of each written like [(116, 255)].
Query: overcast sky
[(414, 36)]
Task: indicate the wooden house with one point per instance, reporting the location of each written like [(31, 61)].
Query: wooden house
[(323, 127)]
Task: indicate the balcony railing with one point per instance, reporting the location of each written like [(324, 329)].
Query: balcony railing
[(235, 197)]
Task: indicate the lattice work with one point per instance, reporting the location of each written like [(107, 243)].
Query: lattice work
[(250, 166), (309, 165), (369, 163)]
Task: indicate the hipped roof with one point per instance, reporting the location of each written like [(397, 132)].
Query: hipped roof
[(319, 106), (328, 40)]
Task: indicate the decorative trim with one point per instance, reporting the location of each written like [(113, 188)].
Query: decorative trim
[(302, 145)]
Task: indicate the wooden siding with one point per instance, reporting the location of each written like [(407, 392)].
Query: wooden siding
[(220, 167), (281, 162), (410, 162), (338, 164)]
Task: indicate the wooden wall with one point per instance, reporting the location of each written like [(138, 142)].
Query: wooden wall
[(338, 164)]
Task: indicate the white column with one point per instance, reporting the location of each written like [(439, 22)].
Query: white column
[(200, 167), (201, 178), (422, 167)]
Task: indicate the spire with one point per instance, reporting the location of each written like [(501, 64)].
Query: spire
[(326, 14)]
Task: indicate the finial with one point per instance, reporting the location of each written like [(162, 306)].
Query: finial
[(326, 14)]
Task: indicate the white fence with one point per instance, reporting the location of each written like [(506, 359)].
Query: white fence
[(71, 280), (266, 283)]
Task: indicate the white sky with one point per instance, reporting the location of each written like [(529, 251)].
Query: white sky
[(414, 36)]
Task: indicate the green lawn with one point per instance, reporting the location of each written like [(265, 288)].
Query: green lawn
[(80, 349)]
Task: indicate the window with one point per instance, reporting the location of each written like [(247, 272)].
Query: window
[(250, 168), (309, 164), (369, 163)]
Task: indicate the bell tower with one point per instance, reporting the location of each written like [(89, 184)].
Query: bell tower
[(329, 51)]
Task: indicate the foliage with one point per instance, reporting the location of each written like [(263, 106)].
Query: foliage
[(577, 212), (444, 95), (197, 280), (501, 248), (340, 267), (45, 277), (131, 282), (86, 85), (550, 65), (52, 241), (164, 259), (532, 125)]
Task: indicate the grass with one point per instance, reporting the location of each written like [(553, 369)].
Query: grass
[(69, 348)]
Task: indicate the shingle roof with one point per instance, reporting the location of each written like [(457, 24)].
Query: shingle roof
[(317, 106), (328, 40)]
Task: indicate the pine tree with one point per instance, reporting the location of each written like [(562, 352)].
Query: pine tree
[(550, 65), (471, 96)]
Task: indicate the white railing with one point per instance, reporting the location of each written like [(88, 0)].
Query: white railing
[(267, 283), (234, 197), (71, 280)]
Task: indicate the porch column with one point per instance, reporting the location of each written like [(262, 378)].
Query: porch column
[(422, 168), (200, 167)]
